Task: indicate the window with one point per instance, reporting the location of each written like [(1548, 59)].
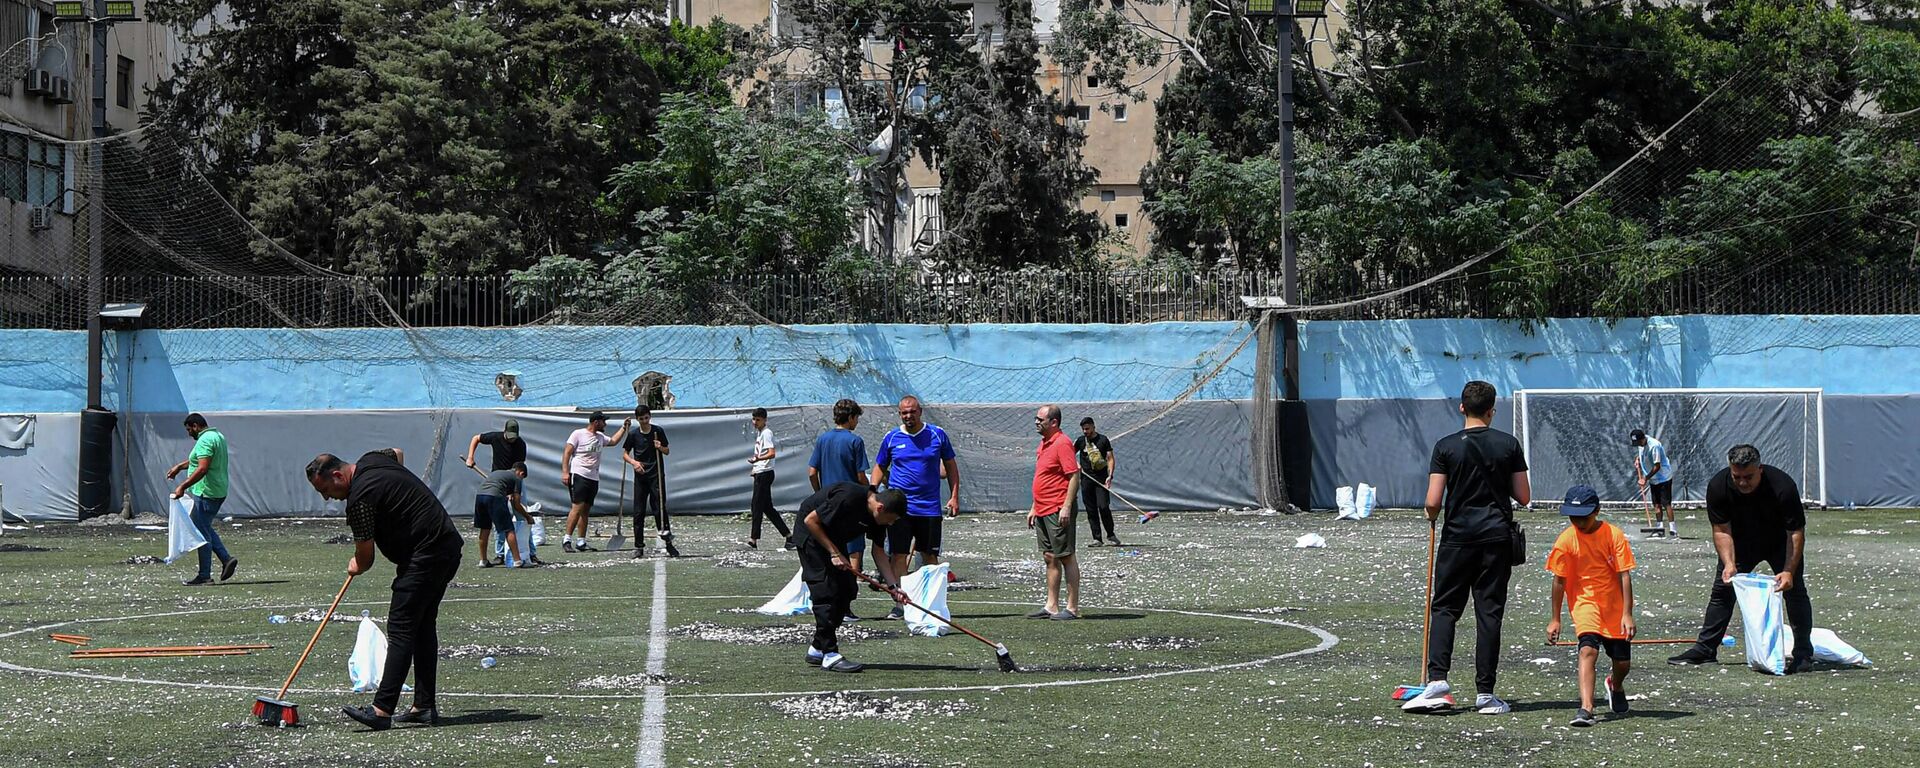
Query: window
[(1121, 220), (1082, 112), (797, 98), (46, 173), (32, 171), (1119, 113), (123, 82), (1093, 81), (1106, 195)]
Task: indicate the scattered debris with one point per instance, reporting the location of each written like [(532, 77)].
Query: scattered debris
[(609, 562), (775, 634), (105, 521), (144, 560), (339, 538), (1276, 610), (628, 682), (1310, 541), (485, 651), (312, 615), (1153, 644), (1866, 532), (738, 560), (23, 548), (855, 706)]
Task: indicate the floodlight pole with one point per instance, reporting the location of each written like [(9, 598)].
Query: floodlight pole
[(1289, 238), (96, 208)]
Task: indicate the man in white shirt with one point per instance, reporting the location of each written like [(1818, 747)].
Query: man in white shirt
[(762, 463), (580, 472)]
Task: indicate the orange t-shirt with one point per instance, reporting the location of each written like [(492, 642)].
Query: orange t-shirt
[(1592, 563)]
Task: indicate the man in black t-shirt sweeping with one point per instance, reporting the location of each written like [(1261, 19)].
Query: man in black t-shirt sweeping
[(838, 513), (1476, 475), (391, 509), (1757, 517)]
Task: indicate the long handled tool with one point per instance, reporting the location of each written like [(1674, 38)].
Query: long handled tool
[(277, 710), (999, 651), (160, 654), (173, 648), (1408, 692), (619, 540), (1145, 516), (663, 523), (1653, 523)]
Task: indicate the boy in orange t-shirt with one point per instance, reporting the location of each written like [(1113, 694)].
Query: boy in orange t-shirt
[(1592, 568)]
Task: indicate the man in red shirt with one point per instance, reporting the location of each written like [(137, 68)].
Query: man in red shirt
[(1056, 479)]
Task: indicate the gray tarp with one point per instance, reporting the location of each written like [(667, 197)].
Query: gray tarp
[(1194, 457)]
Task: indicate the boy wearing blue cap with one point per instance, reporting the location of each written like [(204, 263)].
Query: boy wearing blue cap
[(1592, 567)]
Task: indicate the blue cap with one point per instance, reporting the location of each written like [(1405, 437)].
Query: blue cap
[(1581, 501)]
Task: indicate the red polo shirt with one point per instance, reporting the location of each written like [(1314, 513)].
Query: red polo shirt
[(1053, 470)]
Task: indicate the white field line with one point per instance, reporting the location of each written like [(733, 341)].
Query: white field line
[(652, 752)]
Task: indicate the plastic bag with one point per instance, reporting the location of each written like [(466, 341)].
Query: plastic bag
[(927, 587), (539, 537), (369, 657), (794, 600), (1763, 615), (1363, 499), (523, 534), (1310, 541), (1828, 647), (182, 536), (1343, 498)]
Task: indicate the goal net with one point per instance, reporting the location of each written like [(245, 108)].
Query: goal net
[(1575, 436)]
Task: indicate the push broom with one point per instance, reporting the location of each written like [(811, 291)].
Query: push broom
[(1409, 692), (1145, 516), (277, 710), (999, 651)]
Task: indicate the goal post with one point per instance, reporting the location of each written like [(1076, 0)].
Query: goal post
[(1575, 436)]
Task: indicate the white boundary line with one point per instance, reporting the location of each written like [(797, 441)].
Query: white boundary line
[(652, 752), (1327, 641)]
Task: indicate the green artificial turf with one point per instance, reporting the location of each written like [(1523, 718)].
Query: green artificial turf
[(1190, 591)]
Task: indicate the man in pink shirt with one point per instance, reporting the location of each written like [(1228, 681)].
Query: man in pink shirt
[(1056, 478), (580, 472)]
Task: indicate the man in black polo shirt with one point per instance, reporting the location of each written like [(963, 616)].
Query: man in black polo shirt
[(389, 508), (1757, 518), (841, 512), (1476, 475)]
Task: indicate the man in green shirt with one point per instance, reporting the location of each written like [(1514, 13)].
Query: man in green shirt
[(208, 483)]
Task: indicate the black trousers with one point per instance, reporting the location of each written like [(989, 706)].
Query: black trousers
[(832, 591), (413, 637), (1721, 604), (1097, 502), (650, 495), (1459, 570), (763, 507)]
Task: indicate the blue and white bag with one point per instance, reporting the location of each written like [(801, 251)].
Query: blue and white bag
[(927, 587), (1363, 499), (1763, 615), (1343, 498), (369, 657), (794, 600)]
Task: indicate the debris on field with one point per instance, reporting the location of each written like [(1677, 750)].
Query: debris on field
[(776, 634), (855, 706)]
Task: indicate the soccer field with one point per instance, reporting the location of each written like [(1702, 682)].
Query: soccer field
[(1207, 638)]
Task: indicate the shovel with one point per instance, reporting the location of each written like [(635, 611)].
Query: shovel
[(619, 540), (278, 711)]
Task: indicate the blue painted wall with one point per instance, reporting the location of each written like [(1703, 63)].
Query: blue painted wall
[(271, 370)]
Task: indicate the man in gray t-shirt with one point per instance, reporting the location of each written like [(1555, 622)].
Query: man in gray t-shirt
[(495, 506)]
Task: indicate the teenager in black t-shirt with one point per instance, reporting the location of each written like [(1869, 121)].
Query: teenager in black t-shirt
[(1757, 517), (1476, 475), (838, 513), (645, 450), (389, 508), (508, 448)]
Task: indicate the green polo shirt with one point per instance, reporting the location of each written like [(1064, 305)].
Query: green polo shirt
[(211, 446)]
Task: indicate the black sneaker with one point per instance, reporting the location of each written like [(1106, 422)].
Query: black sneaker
[(671, 551), (567, 546), (1096, 542), (1693, 657), (1113, 540), (898, 613), (227, 568), (842, 664), (1616, 698), (535, 561), (428, 716), (1800, 665), (367, 717), (639, 553), (849, 617), (198, 581), (1582, 719), (584, 548), (486, 563)]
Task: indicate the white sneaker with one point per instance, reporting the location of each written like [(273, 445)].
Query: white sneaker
[(1438, 695), (1489, 704)]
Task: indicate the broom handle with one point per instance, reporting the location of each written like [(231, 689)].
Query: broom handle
[(620, 513), (476, 470), (1643, 491), (1637, 641), (1116, 494), (909, 601), (324, 618), (1426, 607)]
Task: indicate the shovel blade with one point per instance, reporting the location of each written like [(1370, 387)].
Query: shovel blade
[(618, 541)]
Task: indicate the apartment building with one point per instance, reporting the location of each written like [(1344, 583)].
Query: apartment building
[(45, 102)]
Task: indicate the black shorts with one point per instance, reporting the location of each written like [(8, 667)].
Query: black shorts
[(914, 534), (1662, 493), (583, 490), (483, 511), (1618, 650)]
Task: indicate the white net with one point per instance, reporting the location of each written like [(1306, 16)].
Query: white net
[(1577, 437)]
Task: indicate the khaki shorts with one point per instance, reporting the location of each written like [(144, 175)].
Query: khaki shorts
[(1055, 539)]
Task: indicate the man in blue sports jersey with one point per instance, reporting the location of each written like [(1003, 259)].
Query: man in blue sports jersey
[(911, 459), (1655, 473)]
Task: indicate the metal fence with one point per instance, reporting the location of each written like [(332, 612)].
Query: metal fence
[(1136, 296)]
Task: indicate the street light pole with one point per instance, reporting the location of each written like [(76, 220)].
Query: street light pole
[(1289, 238)]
